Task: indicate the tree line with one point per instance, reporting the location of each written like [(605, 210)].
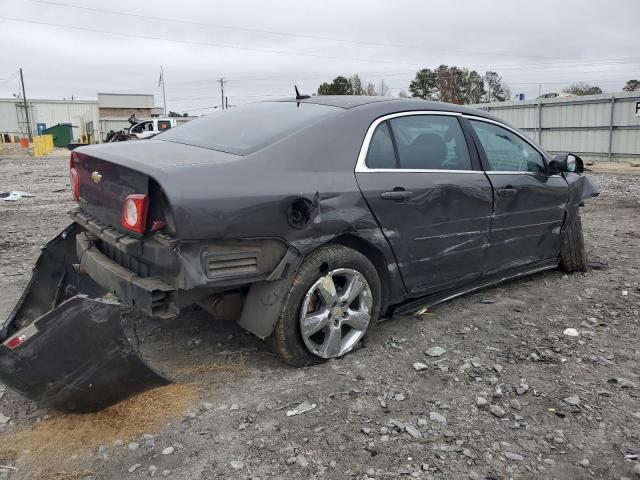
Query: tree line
[(453, 84)]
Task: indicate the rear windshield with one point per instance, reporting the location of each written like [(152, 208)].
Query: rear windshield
[(246, 129)]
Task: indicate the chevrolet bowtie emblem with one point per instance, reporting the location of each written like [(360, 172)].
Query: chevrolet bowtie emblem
[(96, 177)]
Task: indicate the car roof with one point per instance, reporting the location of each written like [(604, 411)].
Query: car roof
[(393, 104)]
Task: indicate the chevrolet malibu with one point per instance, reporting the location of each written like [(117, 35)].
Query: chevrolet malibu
[(305, 220)]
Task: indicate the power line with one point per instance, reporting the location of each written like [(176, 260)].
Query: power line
[(286, 34), (208, 44), (11, 77), (302, 54)]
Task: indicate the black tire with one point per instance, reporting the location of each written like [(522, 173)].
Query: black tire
[(573, 257), (286, 339)]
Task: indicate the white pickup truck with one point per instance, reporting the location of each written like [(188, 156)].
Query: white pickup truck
[(150, 128)]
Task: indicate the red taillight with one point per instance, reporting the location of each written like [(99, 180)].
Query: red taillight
[(74, 178), (21, 337), (15, 341), (134, 212)]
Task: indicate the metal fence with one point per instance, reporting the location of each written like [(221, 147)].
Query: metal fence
[(595, 127)]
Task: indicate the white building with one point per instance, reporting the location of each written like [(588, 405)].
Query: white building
[(91, 119)]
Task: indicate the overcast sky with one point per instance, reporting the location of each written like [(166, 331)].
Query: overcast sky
[(263, 48)]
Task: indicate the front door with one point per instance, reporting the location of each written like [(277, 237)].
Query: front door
[(430, 197), (529, 203)]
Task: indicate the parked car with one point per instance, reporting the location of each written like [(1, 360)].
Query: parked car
[(306, 220), (140, 130), (151, 128)]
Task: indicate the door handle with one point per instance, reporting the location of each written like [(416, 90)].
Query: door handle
[(396, 195), (507, 192)]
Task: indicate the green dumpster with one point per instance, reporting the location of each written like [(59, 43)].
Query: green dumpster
[(62, 134)]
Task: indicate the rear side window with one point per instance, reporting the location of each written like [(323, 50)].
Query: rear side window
[(244, 130), (506, 151), (433, 142), (381, 153), (164, 125)]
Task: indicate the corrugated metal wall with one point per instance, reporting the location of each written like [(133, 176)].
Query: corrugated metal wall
[(596, 127)]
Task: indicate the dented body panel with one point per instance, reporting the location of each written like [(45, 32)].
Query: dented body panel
[(525, 227), (65, 350)]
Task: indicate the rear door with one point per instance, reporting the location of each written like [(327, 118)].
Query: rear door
[(427, 190), (529, 202)]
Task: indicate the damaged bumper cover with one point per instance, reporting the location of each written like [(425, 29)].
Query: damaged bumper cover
[(67, 350)]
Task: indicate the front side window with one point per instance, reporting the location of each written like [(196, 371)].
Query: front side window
[(506, 151), (433, 142)]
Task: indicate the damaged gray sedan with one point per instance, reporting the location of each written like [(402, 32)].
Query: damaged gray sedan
[(306, 220)]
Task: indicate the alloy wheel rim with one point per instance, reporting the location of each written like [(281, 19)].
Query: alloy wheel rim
[(336, 312)]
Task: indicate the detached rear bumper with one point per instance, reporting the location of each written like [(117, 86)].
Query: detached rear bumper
[(66, 349)]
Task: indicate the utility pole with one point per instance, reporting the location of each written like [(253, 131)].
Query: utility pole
[(26, 107), (164, 96), (222, 81)]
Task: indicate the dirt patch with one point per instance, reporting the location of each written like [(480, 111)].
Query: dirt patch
[(52, 440)]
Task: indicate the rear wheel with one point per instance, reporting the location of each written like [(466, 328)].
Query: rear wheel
[(573, 257), (332, 306)]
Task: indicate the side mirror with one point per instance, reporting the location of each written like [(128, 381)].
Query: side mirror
[(566, 162)]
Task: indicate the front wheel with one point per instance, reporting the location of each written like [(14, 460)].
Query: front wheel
[(573, 257), (333, 304)]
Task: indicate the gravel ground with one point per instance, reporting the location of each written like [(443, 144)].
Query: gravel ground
[(486, 386)]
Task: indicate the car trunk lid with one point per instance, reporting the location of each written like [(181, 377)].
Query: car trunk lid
[(103, 186)]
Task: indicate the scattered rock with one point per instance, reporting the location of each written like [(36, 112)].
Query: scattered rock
[(481, 402), (4, 419), (411, 430), (497, 367), (168, 451), (418, 366), (301, 461), (366, 431), (237, 464), (584, 462), (133, 446), (497, 411), (571, 332), (497, 393), (166, 473), (436, 417), (469, 454), (573, 400), (302, 408), (435, 351), (514, 456), (522, 388), (515, 404), (149, 440), (134, 467), (234, 406)]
